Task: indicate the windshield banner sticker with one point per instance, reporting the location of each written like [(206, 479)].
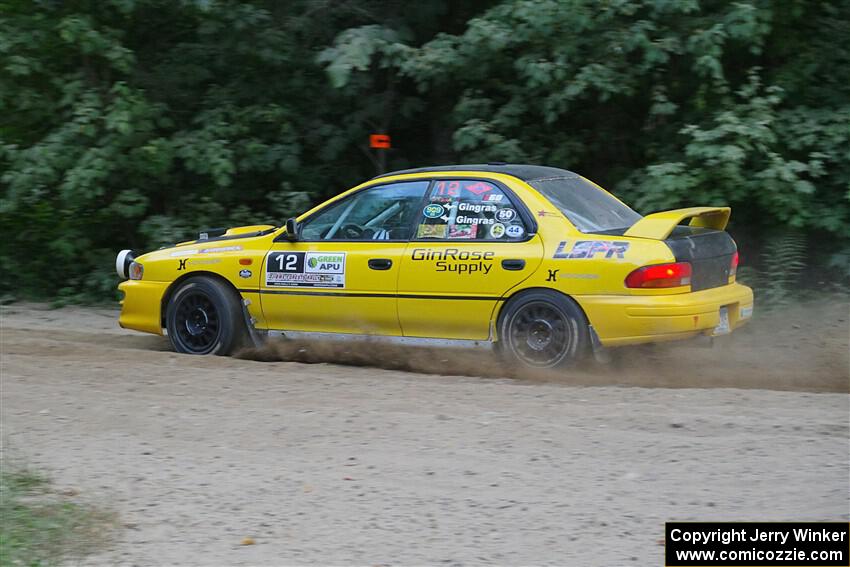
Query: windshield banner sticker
[(306, 269), (588, 248)]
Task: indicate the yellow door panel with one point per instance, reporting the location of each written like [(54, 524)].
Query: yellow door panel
[(450, 289), (331, 287), (341, 275)]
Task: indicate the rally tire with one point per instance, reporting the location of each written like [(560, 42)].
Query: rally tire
[(543, 329), (204, 316)]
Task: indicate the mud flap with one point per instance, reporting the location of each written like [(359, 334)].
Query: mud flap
[(723, 327), (601, 354), (258, 339)]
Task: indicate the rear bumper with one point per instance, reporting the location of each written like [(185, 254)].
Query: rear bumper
[(630, 319), (142, 305)]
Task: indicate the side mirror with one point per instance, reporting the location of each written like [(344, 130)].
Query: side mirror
[(291, 230)]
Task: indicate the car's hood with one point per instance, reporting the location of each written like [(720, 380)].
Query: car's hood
[(234, 233)]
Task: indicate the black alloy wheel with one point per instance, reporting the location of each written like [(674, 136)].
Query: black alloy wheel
[(204, 316), (543, 329), (198, 323)]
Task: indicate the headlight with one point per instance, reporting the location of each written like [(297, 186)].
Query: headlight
[(136, 271), (122, 263)]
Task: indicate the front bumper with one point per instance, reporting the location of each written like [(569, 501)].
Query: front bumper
[(633, 319), (141, 308)]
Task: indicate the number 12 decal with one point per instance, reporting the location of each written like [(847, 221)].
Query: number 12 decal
[(291, 262), (305, 269), (452, 188)]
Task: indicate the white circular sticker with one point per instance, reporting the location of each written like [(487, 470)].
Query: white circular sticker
[(514, 231), (497, 230), (505, 215)]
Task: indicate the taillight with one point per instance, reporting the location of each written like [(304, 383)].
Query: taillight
[(733, 269), (661, 275)]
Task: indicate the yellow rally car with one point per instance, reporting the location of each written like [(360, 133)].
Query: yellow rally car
[(536, 261)]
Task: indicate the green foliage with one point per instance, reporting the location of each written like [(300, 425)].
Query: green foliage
[(784, 259), (135, 123), (39, 528)]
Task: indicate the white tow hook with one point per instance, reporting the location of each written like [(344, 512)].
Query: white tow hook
[(122, 263)]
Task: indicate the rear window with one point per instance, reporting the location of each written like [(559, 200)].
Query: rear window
[(469, 209), (587, 206)]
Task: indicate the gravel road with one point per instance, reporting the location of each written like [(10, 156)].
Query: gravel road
[(332, 464)]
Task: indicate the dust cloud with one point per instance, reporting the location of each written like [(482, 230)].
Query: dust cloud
[(802, 348)]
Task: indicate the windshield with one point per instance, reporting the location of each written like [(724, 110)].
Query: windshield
[(588, 207)]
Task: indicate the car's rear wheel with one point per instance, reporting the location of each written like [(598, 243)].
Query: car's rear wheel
[(543, 329), (204, 316)]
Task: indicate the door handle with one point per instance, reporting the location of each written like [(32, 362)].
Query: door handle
[(380, 263), (513, 264)]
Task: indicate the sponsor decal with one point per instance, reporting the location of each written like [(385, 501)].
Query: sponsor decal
[(461, 231), (494, 197), (589, 248), (553, 275), (454, 188), (505, 215), (497, 230), (245, 274), (463, 219), (204, 262), (179, 253), (479, 187), (461, 262), (221, 249), (542, 214), (476, 207), (193, 251), (431, 231), (198, 262), (433, 211), (514, 231), (746, 312), (305, 269)]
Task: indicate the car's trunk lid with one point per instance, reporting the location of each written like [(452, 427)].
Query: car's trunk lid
[(702, 243), (708, 251)]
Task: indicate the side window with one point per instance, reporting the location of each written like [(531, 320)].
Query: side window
[(469, 209), (384, 212)]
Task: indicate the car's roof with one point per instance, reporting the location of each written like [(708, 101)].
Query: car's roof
[(521, 171)]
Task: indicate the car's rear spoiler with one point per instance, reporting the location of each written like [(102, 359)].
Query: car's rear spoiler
[(658, 226)]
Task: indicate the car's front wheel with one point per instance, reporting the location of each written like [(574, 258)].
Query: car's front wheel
[(543, 329), (204, 316)]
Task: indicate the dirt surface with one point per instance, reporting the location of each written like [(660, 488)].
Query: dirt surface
[(338, 464)]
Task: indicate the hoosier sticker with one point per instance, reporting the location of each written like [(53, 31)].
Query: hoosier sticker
[(306, 269)]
